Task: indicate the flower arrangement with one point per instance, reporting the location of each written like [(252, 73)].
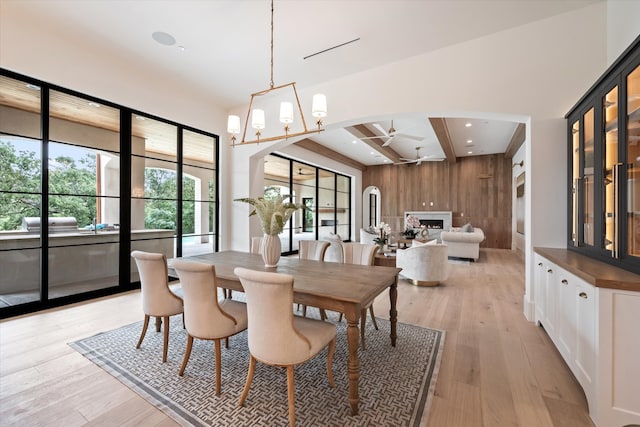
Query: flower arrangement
[(383, 234), (272, 210), (413, 221)]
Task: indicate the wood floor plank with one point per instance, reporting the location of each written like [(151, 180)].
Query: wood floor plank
[(497, 368)]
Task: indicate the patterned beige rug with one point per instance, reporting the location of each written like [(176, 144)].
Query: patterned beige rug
[(396, 383)]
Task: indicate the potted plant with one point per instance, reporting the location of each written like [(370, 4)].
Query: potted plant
[(409, 233), (383, 235), (274, 213)]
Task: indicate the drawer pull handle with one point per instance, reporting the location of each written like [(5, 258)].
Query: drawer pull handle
[(539, 264), (549, 271), (564, 282), (583, 295)]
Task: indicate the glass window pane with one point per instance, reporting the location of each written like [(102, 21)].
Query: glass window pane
[(148, 241), (83, 122), (82, 268), (326, 179), (19, 164), (20, 278), (198, 149), (197, 183), (633, 161), (197, 217), (153, 178), (276, 171), (153, 138), (197, 244), (589, 186), (610, 157), (575, 203), (20, 108)]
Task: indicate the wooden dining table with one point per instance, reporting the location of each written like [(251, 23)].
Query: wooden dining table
[(345, 288)]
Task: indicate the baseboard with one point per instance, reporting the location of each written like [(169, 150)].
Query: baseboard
[(529, 308)]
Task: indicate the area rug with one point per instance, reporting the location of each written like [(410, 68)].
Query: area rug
[(396, 383)]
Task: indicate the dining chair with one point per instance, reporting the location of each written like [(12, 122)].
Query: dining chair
[(205, 317), (277, 337), (313, 250), (361, 254), (157, 299)]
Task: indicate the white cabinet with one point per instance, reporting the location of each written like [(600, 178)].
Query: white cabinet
[(597, 332)]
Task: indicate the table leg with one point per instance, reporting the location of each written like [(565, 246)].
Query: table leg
[(353, 365), (393, 313)]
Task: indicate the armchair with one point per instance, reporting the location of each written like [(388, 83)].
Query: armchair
[(424, 265)]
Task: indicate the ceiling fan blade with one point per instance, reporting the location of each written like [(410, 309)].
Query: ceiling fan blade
[(388, 141), (407, 136)]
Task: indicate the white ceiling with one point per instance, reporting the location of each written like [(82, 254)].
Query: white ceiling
[(226, 48)]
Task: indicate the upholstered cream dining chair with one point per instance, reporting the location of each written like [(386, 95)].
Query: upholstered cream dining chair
[(313, 250), (361, 254), (205, 317), (157, 298), (275, 335)]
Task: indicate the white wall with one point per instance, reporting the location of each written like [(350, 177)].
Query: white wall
[(623, 26)]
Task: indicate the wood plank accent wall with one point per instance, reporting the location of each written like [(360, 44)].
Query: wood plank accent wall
[(476, 189)]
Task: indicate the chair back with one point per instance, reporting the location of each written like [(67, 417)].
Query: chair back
[(157, 298), (203, 316), (312, 249), (256, 244), (358, 253), (271, 335)]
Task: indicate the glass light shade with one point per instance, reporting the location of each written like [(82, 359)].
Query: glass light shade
[(319, 106), (286, 112), (257, 119), (233, 124)]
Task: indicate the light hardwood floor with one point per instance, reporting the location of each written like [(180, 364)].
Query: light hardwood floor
[(497, 369)]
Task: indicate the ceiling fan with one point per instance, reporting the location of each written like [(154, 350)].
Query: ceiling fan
[(304, 173), (392, 133), (418, 160)]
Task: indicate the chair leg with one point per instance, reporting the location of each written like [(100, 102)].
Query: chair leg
[(291, 396), (363, 321), (144, 330), (247, 385), (165, 347), (332, 348), (340, 318), (304, 311), (187, 354), (323, 314), (226, 342), (373, 317), (218, 368), (158, 323)]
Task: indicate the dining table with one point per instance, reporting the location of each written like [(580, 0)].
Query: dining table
[(344, 288)]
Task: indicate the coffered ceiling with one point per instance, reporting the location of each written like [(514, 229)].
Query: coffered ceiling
[(221, 48)]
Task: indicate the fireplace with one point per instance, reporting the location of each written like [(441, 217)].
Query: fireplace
[(435, 224), (431, 222)]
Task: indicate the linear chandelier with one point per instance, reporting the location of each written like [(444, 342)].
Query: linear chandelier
[(318, 110)]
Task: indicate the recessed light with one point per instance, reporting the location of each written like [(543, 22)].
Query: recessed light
[(373, 153), (163, 38), (94, 104), (33, 87), (386, 160), (182, 48), (468, 125), (469, 152), (469, 141), (354, 141)]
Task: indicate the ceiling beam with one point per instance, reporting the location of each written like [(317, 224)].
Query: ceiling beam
[(361, 131), (441, 130), (516, 141), (327, 152)]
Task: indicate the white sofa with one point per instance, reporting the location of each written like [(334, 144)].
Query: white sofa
[(367, 236), (463, 244), (425, 264)]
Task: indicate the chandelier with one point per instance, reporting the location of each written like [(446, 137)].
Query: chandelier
[(318, 110)]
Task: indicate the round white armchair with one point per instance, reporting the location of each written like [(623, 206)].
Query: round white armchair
[(424, 265)]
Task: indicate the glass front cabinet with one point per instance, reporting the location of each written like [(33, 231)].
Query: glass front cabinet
[(604, 166)]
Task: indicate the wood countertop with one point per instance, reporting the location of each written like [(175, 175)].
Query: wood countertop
[(597, 273)]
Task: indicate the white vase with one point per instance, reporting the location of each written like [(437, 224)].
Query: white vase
[(270, 250)]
